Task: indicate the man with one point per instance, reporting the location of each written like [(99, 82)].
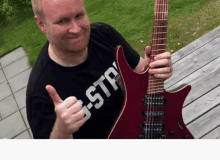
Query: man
[(71, 91)]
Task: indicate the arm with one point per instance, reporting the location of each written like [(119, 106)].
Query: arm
[(56, 134)]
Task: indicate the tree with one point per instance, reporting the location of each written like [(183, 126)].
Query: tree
[(6, 10)]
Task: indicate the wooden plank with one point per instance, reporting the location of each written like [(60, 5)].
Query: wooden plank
[(204, 124), (200, 74), (203, 86), (199, 78), (201, 105), (191, 63), (195, 45), (213, 134)]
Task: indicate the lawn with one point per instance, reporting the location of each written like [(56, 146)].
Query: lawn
[(188, 20)]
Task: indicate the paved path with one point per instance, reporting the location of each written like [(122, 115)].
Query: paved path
[(197, 64), (14, 74)]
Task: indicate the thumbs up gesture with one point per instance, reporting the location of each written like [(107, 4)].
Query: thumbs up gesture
[(70, 116)]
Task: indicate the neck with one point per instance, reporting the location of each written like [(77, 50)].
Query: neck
[(67, 59)]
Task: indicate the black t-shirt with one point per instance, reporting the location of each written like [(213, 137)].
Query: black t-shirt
[(91, 82)]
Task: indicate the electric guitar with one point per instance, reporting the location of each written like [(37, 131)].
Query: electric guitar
[(149, 111)]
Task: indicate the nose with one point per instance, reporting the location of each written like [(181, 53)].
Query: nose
[(75, 28)]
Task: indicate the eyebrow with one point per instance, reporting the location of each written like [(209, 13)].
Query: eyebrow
[(65, 17)]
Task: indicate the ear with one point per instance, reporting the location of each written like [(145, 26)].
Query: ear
[(40, 23)]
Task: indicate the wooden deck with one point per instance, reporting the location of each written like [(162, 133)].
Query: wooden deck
[(198, 64)]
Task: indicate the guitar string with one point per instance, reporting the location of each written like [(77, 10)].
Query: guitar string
[(152, 58), (151, 96), (154, 95), (163, 42), (158, 47)]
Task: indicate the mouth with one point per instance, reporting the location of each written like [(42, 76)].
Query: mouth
[(75, 38)]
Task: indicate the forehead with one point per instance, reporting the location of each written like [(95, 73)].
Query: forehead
[(56, 8)]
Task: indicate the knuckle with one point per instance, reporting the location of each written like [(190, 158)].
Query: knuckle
[(78, 105), (74, 99), (168, 54), (58, 110), (82, 113)]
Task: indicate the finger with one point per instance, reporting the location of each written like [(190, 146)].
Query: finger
[(75, 108), (165, 55), (147, 51), (160, 63), (54, 95), (163, 70), (70, 101), (163, 76), (78, 116), (78, 124)]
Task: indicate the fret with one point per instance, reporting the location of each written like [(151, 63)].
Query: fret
[(160, 19), (155, 92), (156, 89), (160, 33), (152, 80), (156, 86), (159, 39), (153, 84), (158, 44), (161, 4), (159, 87), (150, 89), (160, 12), (158, 50), (159, 26)]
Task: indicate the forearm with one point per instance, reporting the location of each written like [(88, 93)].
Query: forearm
[(56, 134), (141, 66)]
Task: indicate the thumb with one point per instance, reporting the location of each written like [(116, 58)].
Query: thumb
[(53, 94), (147, 52)]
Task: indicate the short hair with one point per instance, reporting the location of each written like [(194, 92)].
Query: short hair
[(38, 10)]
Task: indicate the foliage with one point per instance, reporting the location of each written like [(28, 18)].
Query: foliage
[(10, 8)]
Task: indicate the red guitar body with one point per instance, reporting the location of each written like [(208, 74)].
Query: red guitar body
[(128, 124)]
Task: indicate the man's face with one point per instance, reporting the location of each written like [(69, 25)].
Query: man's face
[(67, 24)]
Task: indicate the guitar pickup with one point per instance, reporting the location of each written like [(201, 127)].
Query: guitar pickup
[(153, 114), (154, 100)]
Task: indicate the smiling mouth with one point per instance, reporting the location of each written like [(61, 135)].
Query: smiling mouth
[(75, 38)]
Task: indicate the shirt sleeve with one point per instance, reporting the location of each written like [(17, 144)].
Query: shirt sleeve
[(131, 55), (41, 116)]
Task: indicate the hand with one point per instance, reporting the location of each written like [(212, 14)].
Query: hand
[(163, 61), (70, 116)]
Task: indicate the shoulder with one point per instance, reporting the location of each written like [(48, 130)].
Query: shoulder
[(100, 25), (102, 28)]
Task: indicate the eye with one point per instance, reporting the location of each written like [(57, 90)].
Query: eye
[(62, 21), (79, 15)]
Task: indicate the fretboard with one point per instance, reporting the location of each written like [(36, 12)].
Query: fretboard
[(159, 40)]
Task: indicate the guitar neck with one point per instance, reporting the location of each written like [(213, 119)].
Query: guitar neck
[(159, 40)]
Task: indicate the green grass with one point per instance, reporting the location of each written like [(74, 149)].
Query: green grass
[(188, 20)]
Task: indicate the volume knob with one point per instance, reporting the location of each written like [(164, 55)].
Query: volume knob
[(186, 137), (172, 133)]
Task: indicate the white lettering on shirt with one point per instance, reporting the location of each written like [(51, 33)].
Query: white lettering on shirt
[(111, 80), (95, 97), (101, 84)]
